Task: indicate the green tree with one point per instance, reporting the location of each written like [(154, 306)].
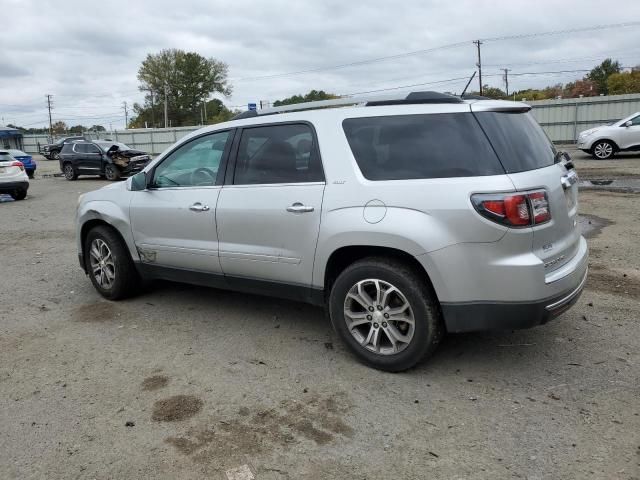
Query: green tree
[(312, 96), (78, 129), (625, 82), (600, 74), (59, 127), (187, 78)]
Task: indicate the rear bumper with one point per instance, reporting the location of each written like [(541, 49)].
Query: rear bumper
[(476, 316), (13, 186)]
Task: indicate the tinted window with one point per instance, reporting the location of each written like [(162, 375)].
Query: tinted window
[(194, 164), (519, 141), (80, 148), (277, 154), (420, 146), (636, 120), (91, 148)]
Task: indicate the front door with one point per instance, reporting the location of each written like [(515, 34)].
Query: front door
[(89, 158), (630, 136), (174, 223), (269, 211)]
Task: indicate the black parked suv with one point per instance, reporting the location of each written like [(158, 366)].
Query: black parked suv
[(52, 150), (108, 159)]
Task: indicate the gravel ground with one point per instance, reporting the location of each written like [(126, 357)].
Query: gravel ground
[(187, 382)]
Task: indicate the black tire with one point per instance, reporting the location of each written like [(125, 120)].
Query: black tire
[(111, 172), (603, 150), (55, 155), (19, 194), (126, 280), (428, 325), (69, 172)]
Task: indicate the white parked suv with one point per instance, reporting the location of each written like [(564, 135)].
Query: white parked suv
[(13, 177), (405, 217), (605, 141)]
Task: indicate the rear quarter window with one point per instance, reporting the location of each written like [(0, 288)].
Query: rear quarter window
[(407, 147), (519, 141)]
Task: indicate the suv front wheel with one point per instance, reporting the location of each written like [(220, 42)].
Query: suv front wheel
[(108, 264), (603, 150), (385, 312)]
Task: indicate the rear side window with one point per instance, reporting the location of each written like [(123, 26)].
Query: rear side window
[(519, 141), (277, 154), (421, 146)]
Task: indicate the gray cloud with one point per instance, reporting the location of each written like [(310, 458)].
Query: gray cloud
[(87, 56)]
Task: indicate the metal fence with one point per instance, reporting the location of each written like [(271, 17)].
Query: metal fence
[(562, 119), (152, 140)]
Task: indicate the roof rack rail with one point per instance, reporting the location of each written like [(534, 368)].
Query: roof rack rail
[(412, 98)]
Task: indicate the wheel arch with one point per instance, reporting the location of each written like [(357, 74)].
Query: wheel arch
[(344, 256), (616, 148)]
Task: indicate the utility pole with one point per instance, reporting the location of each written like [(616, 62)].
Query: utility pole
[(205, 112), (166, 116), (479, 64), (49, 97), (153, 111), (506, 80), (126, 115)]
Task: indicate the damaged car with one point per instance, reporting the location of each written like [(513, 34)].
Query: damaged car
[(111, 160)]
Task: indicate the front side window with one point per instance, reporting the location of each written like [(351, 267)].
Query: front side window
[(194, 164), (635, 121), (277, 154)]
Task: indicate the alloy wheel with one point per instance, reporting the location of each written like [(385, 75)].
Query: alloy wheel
[(379, 316), (102, 266), (603, 150)]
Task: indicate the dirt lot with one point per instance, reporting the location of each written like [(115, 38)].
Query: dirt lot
[(187, 382)]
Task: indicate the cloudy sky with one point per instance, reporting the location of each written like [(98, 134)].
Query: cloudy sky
[(88, 56)]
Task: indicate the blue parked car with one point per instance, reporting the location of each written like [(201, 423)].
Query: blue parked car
[(26, 159)]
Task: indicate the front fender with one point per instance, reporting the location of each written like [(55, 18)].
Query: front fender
[(109, 213)]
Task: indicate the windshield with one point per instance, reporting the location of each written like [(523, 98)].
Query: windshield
[(107, 145)]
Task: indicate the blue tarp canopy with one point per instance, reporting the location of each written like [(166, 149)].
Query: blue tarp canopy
[(9, 132)]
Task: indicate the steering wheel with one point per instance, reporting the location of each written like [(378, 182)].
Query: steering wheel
[(203, 176)]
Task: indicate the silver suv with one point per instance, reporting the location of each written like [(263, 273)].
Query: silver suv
[(405, 217)]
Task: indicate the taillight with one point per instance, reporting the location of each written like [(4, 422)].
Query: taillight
[(514, 209), (17, 164)]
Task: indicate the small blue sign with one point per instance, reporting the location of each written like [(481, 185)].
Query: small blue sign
[(252, 106)]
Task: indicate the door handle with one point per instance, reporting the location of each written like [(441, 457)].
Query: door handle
[(299, 208), (198, 207)]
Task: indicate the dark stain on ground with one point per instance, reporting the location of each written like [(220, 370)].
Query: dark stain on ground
[(95, 312), (592, 225), (622, 284), (155, 383), (176, 408), (603, 173), (258, 430)]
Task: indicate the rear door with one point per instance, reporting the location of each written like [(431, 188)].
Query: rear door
[(529, 159), (269, 210)]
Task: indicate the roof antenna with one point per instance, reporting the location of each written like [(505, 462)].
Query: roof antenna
[(468, 83)]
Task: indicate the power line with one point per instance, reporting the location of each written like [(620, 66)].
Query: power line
[(443, 47)]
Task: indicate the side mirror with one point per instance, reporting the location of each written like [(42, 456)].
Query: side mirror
[(628, 123), (139, 182)]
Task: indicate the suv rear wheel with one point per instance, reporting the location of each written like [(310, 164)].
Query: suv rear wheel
[(19, 194), (69, 172), (385, 313), (603, 150), (108, 263)]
